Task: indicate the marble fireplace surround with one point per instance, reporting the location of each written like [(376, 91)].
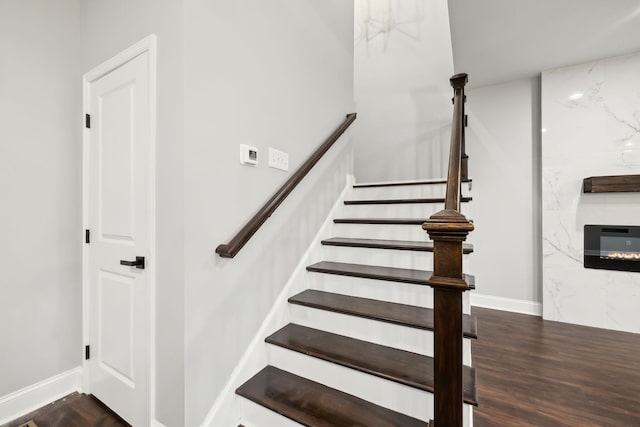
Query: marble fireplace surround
[(590, 127)]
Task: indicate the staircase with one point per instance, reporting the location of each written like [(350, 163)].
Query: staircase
[(359, 349)]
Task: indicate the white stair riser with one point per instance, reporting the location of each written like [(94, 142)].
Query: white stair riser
[(388, 334), (417, 260), (404, 192), (254, 415), (402, 293), (381, 231), (389, 394), (399, 210), (380, 257), (411, 232), (387, 257)]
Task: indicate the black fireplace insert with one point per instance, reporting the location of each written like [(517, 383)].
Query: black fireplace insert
[(612, 247)]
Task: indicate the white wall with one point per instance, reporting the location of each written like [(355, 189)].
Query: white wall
[(402, 91), (503, 146), (40, 187), (271, 74), (108, 27), (595, 134), (274, 74)]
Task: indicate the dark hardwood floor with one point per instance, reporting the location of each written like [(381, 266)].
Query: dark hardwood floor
[(539, 373), (74, 410), (530, 372)]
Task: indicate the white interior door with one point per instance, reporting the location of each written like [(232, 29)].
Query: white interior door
[(118, 215)]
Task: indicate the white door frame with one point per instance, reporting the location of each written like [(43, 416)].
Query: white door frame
[(149, 45)]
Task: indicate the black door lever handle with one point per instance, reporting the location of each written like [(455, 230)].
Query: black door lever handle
[(138, 263)]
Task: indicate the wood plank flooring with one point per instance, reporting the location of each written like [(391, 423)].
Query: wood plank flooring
[(74, 410), (530, 372), (540, 373)]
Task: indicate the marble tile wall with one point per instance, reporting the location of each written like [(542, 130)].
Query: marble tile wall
[(590, 127)]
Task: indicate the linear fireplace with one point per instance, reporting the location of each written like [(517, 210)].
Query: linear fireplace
[(612, 247)]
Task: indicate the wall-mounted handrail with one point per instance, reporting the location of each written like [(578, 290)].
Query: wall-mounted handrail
[(229, 250), (448, 229)]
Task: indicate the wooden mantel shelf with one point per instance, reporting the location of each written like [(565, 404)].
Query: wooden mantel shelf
[(611, 184)]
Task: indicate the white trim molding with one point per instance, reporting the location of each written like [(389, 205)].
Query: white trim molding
[(30, 398), (506, 304)]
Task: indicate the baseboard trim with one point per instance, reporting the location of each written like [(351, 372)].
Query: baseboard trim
[(506, 304), (30, 398)]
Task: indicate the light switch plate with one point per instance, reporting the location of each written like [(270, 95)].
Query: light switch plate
[(278, 159)]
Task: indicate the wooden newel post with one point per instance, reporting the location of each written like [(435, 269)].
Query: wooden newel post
[(448, 229)]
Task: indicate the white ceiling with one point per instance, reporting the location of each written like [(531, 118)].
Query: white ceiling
[(497, 41)]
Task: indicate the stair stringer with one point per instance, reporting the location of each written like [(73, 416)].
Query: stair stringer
[(226, 410)]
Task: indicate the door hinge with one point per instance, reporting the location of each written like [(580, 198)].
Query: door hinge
[(87, 352), (87, 236), (466, 120), (87, 121)]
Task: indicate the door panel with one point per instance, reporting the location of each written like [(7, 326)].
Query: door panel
[(119, 213), (115, 328), (116, 145)]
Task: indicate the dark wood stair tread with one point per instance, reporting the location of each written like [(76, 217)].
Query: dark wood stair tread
[(394, 221), (401, 201), (403, 183), (312, 404), (399, 314), (404, 275), (425, 246), (404, 367)]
